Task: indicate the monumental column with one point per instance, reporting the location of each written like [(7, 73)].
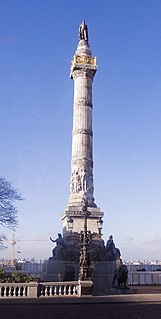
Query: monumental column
[(83, 69)]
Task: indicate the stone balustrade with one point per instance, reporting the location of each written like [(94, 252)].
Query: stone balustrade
[(13, 290), (53, 289), (43, 289), (144, 278)]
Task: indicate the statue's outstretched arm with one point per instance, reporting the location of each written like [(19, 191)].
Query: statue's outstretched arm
[(52, 240)]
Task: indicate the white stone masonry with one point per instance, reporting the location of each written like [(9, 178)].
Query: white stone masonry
[(83, 69)]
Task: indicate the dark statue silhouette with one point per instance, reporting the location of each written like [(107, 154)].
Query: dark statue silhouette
[(121, 275), (83, 31)]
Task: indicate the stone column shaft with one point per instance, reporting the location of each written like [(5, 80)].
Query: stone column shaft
[(82, 120), (81, 185), (83, 69)]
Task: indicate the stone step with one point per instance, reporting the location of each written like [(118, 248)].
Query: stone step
[(146, 289)]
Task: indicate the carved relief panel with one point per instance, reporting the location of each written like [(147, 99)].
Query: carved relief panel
[(81, 181)]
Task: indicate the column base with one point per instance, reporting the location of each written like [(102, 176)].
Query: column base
[(77, 215)]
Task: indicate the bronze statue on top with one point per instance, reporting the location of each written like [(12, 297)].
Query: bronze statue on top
[(83, 31)]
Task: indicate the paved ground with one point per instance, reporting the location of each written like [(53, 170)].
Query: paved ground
[(109, 307)]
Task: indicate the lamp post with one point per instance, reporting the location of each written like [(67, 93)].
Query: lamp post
[(85, 237)]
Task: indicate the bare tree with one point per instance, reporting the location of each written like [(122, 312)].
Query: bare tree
[(8, 211)]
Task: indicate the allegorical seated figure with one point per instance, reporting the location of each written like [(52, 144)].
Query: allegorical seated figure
[(59, 250), (97, 250), (112, 253)]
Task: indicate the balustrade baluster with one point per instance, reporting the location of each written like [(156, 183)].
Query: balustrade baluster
[(8, 291), (22, 291), (74, 290), (50, 291), (59, 290), (18, 291), (70, 290), (5, 291), (42, 290), (46, 291), (65, 290), (55, 289)]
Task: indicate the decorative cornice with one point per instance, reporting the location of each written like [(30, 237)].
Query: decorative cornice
[(81, 214)]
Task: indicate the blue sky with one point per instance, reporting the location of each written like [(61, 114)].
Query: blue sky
[(37, 42)]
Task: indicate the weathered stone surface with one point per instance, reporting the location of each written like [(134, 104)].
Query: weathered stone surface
[(83, 69), (59, 270)]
